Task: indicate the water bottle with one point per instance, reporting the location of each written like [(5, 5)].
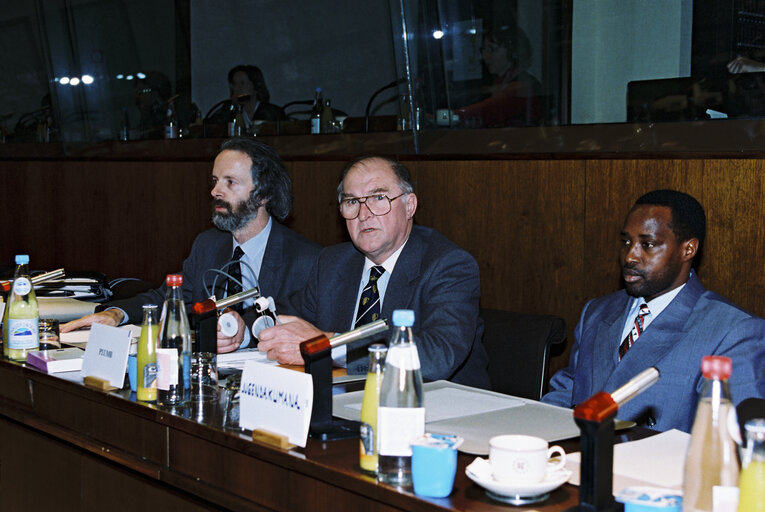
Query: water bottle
[(316, 110), (146, 356), (21, 318), (401, 413), (174, 348), (327, 118), (171, 127), (368, 443), (751, 484), (711, 465)]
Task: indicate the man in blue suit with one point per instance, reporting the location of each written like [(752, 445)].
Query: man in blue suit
[(664, 318), (411, 267), (251, 193)]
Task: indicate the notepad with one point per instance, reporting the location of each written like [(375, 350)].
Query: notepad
[(54, 361)]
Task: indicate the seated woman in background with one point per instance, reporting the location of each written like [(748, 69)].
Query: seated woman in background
[(514, 94), (248, 83)]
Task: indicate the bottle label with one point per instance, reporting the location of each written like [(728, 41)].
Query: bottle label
[(367, 439), (171, 132), (397, 427), (149, 375), (167, 368), (403, 356), (22, 333), (315, 125), (22, 286)]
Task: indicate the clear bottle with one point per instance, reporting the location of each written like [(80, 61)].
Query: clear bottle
[(171, 125), (712, 461), (751, 483), (368, 443), (174, 347), (236, 126), (327, 118), (404, 114), (21, 320), (146, 357), (401, 413), (316, 110), (124, 134)]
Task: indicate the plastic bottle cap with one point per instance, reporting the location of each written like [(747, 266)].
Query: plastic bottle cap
[(174, 280), (403, 317), (22, 259), (716, 367)]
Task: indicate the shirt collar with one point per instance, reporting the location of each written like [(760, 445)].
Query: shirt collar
[(388, 264), (252, 245)]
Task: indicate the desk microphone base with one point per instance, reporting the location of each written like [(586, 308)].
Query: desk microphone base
[(340, 429)]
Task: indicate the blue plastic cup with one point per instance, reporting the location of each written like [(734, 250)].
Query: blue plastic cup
[(434, 464), (132, 377)]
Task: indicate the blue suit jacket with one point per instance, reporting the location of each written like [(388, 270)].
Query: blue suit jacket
[(287, 260), (696, 323), (434, 277)]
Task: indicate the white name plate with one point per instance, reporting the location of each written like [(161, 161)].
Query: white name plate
[(106, 354), (276, 399)]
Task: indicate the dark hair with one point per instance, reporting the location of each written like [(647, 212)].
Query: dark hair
[(270, 178), (515, 40), (256, 77), (688, 218), (401, 171)]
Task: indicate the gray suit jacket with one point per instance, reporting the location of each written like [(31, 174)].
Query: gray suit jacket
[(433, 277), (287, 260), (696, 323)]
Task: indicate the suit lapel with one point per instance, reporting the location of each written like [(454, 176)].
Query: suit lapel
[(399, 292), (660, 337), (346, 294), (271, 269), (606, 350), (221, 257)]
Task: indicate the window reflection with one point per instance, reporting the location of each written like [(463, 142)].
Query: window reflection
[(90, 70)]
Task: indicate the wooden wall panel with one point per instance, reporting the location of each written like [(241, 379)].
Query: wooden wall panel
[(545, 232)]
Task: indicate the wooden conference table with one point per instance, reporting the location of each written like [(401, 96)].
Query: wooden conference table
[(64, 446)]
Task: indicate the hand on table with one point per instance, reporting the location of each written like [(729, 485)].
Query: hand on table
[(282, 342), (111, 317)]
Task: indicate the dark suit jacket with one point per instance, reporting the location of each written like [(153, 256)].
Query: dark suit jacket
[(696, 323), (433, 277), (287, 260)]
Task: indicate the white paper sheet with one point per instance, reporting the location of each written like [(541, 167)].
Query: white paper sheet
[(654, 461)]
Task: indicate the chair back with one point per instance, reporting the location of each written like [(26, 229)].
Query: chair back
[(519, 346)]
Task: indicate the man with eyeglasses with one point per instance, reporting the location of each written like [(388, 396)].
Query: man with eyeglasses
[(406, 266)]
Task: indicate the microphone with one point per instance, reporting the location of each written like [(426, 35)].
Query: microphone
[(394, 83), (40, 278), (211, 304)]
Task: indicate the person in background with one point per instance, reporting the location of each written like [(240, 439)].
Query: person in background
[(664, 318), (403, 266), (514, 95), (247, 83), (152, 95), (251, 194)]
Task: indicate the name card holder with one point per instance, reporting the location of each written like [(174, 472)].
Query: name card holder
[(106, 356)]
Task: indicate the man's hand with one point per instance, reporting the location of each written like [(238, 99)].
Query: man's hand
[(111, 317), (231, 343), (282, 342)]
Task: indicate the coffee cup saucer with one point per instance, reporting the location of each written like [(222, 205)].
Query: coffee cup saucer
[(515, 493)]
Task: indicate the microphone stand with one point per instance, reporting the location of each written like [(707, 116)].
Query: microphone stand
[(595, 418), (394, 83), (317, 355)]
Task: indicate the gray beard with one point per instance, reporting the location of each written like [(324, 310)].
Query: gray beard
[(237, 218)]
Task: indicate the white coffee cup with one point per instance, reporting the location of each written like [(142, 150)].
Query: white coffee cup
[(522, 459)]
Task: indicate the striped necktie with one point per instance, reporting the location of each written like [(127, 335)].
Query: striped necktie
[(637, 330), (369, 303)]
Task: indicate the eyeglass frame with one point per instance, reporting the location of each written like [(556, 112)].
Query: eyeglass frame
[(364, 202)]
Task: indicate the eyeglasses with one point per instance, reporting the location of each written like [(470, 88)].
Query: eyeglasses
[(378, 204)]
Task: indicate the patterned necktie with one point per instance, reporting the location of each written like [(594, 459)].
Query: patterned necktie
[(637, 330), (235, 270), (369, 304)]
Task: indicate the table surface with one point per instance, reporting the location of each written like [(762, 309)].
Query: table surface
[(187, 449)]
